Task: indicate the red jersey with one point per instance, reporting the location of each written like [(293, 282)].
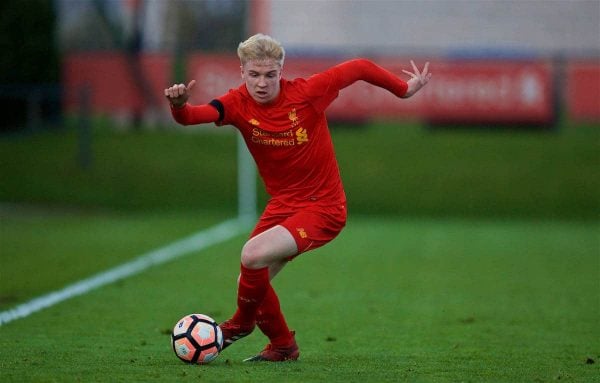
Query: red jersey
[(289, 138)]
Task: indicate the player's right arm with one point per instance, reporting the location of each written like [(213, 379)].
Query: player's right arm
[(185, 113)]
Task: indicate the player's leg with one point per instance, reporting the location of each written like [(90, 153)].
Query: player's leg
[(310, 229), (269, 248), (269, 318), (282, 343)]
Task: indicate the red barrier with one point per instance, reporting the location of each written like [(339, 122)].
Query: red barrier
[(460, 92), (111, 81), (476, 91), (491, 92), (583, 90)]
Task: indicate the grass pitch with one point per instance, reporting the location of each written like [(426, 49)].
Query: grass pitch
[(387, 169), (390, 300)]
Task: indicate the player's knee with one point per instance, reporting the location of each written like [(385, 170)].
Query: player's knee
[(252, 255)]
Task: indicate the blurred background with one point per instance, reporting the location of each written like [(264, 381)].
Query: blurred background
[(508, 127), (473, 229)]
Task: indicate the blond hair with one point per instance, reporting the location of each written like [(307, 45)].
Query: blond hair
[(261, 47)]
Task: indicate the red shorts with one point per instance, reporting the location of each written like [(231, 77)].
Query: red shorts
[(311, 226)]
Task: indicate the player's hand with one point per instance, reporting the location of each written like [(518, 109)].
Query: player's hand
[(178, 94), (418, 79)]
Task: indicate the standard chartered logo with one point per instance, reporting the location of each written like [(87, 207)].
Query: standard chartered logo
[(296, 135), (263, 137)]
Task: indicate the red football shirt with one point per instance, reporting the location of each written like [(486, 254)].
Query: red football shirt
[(289, 138)]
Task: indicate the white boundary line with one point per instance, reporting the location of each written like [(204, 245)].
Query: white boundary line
[(196, 242)]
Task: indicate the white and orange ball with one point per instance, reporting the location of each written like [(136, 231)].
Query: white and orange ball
[(197, 339)]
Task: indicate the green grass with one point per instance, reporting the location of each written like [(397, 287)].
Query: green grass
[(396, 299), (45, 248), (156, 170), (485, 269), (388, 169)]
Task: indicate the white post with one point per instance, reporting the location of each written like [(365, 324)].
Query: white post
[(246, 182)]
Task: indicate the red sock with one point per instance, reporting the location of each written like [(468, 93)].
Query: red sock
[(252, 288), (271, 322)]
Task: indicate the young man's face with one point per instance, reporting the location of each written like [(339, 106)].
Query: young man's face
[(262, 79)]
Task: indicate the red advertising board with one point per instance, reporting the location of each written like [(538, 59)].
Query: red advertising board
[(583, 90), (476, 91), (111, 79), (491, 92), (460, 91)]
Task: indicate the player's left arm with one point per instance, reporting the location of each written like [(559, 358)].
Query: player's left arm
[(323, 87), (351, 71)]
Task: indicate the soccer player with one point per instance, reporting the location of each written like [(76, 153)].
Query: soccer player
[(283, 123)]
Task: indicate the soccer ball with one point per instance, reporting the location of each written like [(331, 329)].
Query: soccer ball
[(197, 339)]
